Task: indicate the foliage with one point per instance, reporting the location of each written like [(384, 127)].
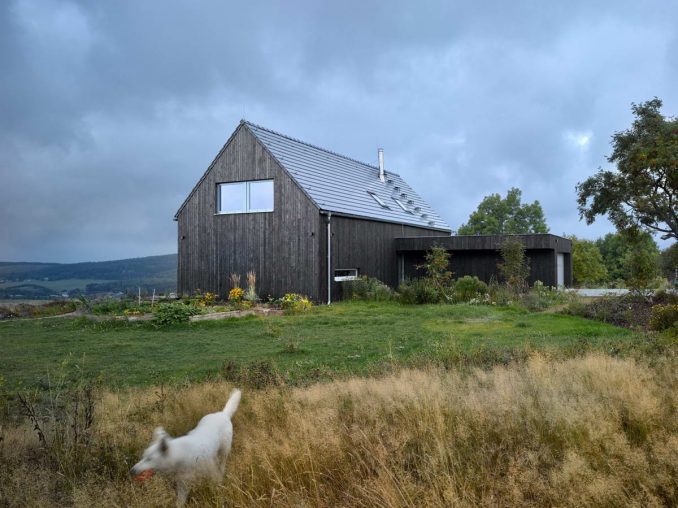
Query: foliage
[(418, 291), (24, 310), (514, 267), (295, 302), (173, 313), (542, 297), (641, 265), (438, 275), (663, 317), (236, 294), (615, 247), (669, 262), (204, 299), (468, 288), (496, 216), (367, 288), (587, 262), (251, 293), (643, 190)]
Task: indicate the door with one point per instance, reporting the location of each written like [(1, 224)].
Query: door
[(561, 269)]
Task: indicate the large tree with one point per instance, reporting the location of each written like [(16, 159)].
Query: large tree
[(643, 190), (587, 263), (616, 247), (496, 216)]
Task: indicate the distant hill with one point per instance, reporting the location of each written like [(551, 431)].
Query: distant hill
[(48, 279)]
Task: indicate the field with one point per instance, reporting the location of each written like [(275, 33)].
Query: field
[(354, 405), (346, 338), (56, 285)]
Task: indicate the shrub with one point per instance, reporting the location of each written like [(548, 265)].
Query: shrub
[(367, 288), (468, 288), (419, 291), (542, 297), (173, 313), (663, 317), (515, 266), (236, 294), (438, 275), (295, 303), (251, 293)]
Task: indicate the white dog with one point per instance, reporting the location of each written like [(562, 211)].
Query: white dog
[(200, 453)]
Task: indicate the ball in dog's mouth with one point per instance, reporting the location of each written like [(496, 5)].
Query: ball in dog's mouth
[(144, 475)]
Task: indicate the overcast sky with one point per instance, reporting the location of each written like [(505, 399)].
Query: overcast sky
[(111, 111)]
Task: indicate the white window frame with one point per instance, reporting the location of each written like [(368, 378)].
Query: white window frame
[(341, 278), (402, 206), (378, 200), (247, 198)]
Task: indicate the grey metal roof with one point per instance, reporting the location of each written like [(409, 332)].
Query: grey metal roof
[(342, 185)]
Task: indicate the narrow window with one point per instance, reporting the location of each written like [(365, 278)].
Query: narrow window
[(378, 200), (342, 274), (401, 205)]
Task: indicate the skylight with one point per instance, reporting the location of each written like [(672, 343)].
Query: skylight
[(401, 205), (378, 200)]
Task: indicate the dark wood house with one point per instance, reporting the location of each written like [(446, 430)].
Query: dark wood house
[(303, 219)]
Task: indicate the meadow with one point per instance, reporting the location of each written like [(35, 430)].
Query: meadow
[(343, 339), (358, 404)]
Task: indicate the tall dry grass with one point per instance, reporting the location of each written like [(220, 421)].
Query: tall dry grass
[(593, 431)]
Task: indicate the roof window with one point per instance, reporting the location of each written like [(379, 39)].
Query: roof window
[(401, 205), (378, 200)]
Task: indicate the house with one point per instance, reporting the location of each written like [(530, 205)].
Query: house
[(304, 219)]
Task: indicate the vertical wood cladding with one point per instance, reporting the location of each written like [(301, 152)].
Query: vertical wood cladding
[(366, 245), (281, 247)]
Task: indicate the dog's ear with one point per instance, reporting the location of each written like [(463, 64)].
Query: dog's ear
[(164, 445), (159, 433)]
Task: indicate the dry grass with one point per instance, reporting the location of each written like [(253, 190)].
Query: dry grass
[(593, 431)]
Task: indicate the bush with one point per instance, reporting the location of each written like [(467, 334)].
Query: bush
[(236, 295), (542, 297), (367, 288), (468, 288), (173, 313), (419, 291), (663, 317), (295, 303)]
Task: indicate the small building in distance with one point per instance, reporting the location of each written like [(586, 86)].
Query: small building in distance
[(304, 219)]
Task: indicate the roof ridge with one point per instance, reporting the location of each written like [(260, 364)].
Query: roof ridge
[(247, 122)]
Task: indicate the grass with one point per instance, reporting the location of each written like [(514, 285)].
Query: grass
[(586, 431), (344, 339)]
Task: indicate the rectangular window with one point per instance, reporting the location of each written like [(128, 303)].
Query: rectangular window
[(244, 197), (401, 205), (378, 200), (342, 274)]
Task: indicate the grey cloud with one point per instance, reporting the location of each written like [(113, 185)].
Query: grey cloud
[(109, 112)]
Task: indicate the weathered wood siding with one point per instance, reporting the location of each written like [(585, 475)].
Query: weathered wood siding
[(366, 245), (281, 247), (479, 255)]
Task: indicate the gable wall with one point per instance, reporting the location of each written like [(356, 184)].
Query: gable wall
[(281, 247)]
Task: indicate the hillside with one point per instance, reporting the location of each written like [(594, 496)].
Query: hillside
[(43, 280)]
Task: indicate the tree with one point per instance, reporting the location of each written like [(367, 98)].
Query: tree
[(587, 262), (641, 265), (615, 249), (515, 265), (643, 191), (669, 262), (496, 216)]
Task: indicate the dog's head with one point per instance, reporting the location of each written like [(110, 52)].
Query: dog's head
[(155, 458)]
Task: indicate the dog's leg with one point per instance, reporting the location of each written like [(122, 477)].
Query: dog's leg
[(182, 493)]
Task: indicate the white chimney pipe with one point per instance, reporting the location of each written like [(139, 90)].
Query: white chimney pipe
[(381, 165)]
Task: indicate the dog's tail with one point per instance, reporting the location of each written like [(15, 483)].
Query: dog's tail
[(232, 404)]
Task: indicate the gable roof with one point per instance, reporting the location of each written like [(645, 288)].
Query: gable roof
[(341, 185), (345, 186)]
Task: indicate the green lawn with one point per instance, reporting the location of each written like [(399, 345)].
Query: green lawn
[(351, 337)]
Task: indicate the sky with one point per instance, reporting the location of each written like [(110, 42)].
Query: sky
[(110, 111)]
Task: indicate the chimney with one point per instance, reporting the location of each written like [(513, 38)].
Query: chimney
[(381, 165)]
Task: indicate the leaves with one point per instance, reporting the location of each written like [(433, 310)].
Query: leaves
[(505, 216), (643, 190)]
